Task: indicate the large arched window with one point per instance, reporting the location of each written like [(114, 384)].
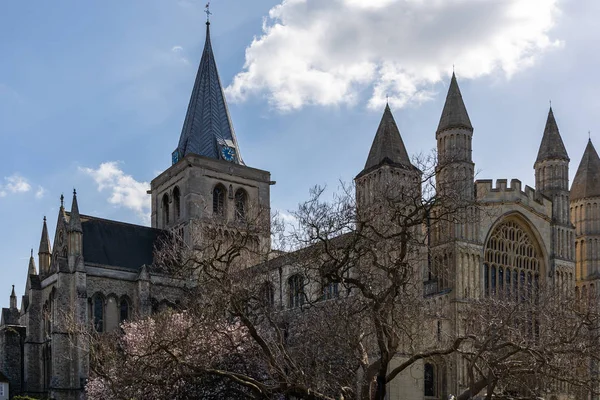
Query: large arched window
[(241, 198), (513, 262), (98, 312), (296, 291), (165, 209), (219, 200), (177, 203)]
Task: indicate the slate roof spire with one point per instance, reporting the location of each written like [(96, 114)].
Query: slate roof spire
[(388, 147), (552, 146), (207, 128), (587, 179), (454, 114), (75, 219)]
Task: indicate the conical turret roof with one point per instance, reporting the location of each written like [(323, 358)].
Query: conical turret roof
[(387, 147), (552, 146), (587, 179), (454, 114), (207, 129)]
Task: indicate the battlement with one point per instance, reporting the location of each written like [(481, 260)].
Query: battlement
[(486, 192)]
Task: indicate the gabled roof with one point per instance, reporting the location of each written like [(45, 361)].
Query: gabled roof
[(587, 179), (118, 244), (388, 147), (552, 146), (207, 127), (454, 114)]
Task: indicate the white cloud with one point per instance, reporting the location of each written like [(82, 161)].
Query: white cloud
[(326, 52), (15, 184), (124, 190), (40, 193)]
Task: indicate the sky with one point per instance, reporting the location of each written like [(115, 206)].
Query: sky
[(93, 94)]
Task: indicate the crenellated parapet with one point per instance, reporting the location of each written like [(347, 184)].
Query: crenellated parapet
[(486, 192)]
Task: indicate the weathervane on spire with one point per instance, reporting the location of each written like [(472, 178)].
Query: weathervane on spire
[(208, 13)]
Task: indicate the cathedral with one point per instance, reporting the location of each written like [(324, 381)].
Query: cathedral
[(97, 271)]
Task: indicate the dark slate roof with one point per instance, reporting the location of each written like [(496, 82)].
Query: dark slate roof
[(117, 243), (454, 114), (45, 240), (388, 147), (207, 126), (552, 146), (587, 178)]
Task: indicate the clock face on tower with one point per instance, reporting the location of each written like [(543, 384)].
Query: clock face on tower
[(228, 153), (175, 157)]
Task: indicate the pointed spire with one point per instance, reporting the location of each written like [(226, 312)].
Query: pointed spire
[(552, 146), (387, 147), (31, 270), (207, 128), (454, 114), (75, 220), (44, 240), (587, 179), (13, 298)]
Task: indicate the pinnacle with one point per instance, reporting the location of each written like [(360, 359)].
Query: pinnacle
[(454, 114), (44, 240), (75, 220)]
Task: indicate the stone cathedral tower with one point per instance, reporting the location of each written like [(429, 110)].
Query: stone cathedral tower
[(208, 182), (585, 214), (552, 180)]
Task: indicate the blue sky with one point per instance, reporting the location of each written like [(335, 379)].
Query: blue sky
[(93, 94)]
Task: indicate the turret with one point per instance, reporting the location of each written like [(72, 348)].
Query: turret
[(552, 180), (552, 164), (44, 252), (455, 169), (585, 209), (388, 172)]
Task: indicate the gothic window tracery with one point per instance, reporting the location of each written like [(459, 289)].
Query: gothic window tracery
[(219, 200), (177, 203), (123, 310), (165, 207), (513, 262), (296, 291), (240, 204), (97, 313)]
